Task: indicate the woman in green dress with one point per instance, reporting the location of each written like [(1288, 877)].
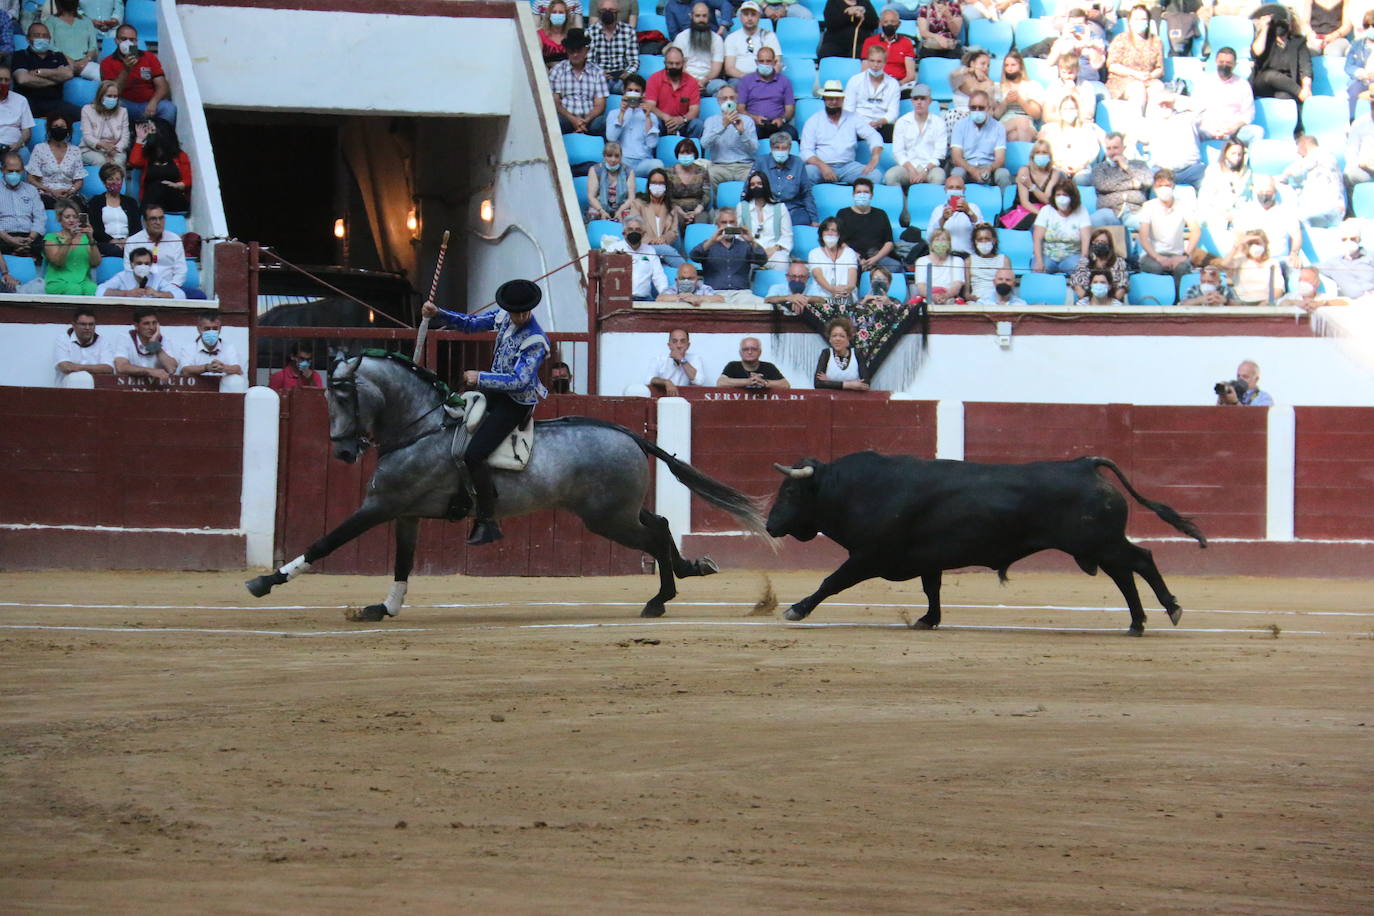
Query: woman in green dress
[(71, 253)]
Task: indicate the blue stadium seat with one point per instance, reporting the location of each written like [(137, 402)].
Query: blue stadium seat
[(1326, 115), (21, 43), (934, 72), (142, 15), (1321, 244), (1234, 32), (192, 273), (580, 186), (649, 64), (695, 234), (108, 267), (1184, 68), (831, 197), (39, 132), (993, 37), (908, 28), (817, 7), (79, 92), (888, 199), (806, 109), (801, 73), (1329, 76), (1088, 195), (583, 148), (709, 107), (898, 290), (1017, 245), (1018, 154), (1009, 200), (921, 199), (987, 198), (1151, 289), (1362, 200), (1044, 289), (804, 239), (728, 193), (798, 37), (1033, 31), (664, 151), (1042, 9), (93, 184), (764, 279), (1116, 115), (22, 269), (1271, 157), (52, 224), (838, 68), (653, 22), (1188, 282), (612, 102), (1278, 117), (1040, 70), (602, 227)]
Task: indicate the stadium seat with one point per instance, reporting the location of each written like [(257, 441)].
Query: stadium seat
[(1088, 195), (838, 68), (1321, 244), (598, 228), (1278, 117), (798, 38), (921, 199), (934, 72), (1151, 289), (898, 290), (22, 269), (583, 148), (764, 279), (580, 187), (1042, 9), (908, 28), (1018, 154), (1116, 115), (649, 64), (1329, 76), (612, 102), (39, 132), (142, 15), (1009, 197), (1362, 200), (993, 37), (888, 199), (1184, 68), (804, 239), (192, 273), (1017, 245), (801, 73), (664, 151), (830, 198), (653, 22), (728, 193), (695, 234), (1234, 32), (806, 109), (1040, 71), (93, 184), (1044, 289), (108, 267), (1271, 157), (21, 43), (1325, 115), (709, 107), (1033, 31), (79, 92), (987, 198), (817, 7)]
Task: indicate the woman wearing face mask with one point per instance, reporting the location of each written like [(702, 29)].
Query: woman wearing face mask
[(1076, 143), (553, 28), (1359, 63), (1035, 182), (689, 185), (1226, 186), (1283, 65), (1255, 276), (1102, 256), (940, 276), (1099, 290), (70, 253), (879, 290), (114, 214), (166, 170), (1060, 236), (984, 262), (75, 36), (1135, 61), (1019, 99), (55, 168), (767, 220), (834, 265), (610, 183), (841, 365), (655, 209), (105, 128)]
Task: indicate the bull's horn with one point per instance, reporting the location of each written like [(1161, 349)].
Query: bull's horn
[(795, 473)]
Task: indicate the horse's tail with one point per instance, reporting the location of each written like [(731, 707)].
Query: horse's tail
[(1181, 522), (747, 509)]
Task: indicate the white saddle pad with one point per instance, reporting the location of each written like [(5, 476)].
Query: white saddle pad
[(515, 451)]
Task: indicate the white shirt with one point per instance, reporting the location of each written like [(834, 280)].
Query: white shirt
[(697, 64), (836, 272), (125, 279), (872, 102), (123, 345), (1223, 103), (665, 368), (648, 278), (959, 225), (848, 373), (15, 116), (66, 350), (195, 354), (168, 253), (942, 276), (116, 222), (920, 144), (771, 230), (1167, 227), (833, 142), (738, 44), (1280, 223)]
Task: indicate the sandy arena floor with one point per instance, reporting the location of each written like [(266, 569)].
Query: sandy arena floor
[(492, 758)]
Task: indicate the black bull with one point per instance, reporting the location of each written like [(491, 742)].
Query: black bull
[(902, 517)]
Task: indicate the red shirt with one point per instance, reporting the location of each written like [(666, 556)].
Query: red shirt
[(138, 87), (898, 50), (288, 378), (670, 101)]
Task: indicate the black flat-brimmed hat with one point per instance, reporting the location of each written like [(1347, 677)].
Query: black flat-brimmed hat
[(518, 295), (575, 39)]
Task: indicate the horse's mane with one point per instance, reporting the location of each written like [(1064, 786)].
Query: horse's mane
[(420, 372)]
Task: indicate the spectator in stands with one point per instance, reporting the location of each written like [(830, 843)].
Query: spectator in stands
[(105, 128), (1329, 26), (143, 87), (868, 231), (647, 279), (901, 52), (655, 209), (743, 44), (213, 356), (940, 275), (1168, 231), (847, 24), (972, 76), (873, 96), (1084, 41), (169, 253), (166, 167), (81, 349), (1278, 220), (1135, 61), (1212, 288), (1316, 180), (766, 97), (957, 215), (143, 351), (1075, 143), (750, 371), (978, 145), (790, 294), (1305, 291), (106, 15), (1359, 147), (1035, 183), (841, 365), (1283, 65), (16, 120), (678, 15), (635, 129), (1225, 103), (610, 184), (777, 10), (39, 72), (789, 178), (834, 265), (919, 144), (614, 47), (1004, 290), (689, 186), (75, 36), (1019, 99), (141, 279), (726, 256), (1060, 236), (830, 138), (985, 262), (579, 89), (114, 215), (560, 378), (1170, 137), (729, 140), (689, 288), (70, 253), (1067, 85), (704, 50), (674, 96), (767, 220), (1249, 373), (1359, 63), (680, 367), (1102, 256), (1122, 184), (1255, 276), (22, 219), (1100, 291), (55, 167), (1351, 271), (557, 22), (939, 23), (299, 371), (1008, 11), (1226, 186), (880, 291)]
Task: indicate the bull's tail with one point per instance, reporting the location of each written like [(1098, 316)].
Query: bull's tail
[(1181, 522)]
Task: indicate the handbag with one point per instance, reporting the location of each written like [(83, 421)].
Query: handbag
[(1014, 217)]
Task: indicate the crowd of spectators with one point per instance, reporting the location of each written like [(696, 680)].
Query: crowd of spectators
[(143, 351)]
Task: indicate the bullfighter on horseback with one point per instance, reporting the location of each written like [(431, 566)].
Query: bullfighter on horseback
[(512, 387)]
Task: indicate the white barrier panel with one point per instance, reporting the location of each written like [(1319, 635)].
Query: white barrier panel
[(1281, 474), (258, 518), (672, 499)]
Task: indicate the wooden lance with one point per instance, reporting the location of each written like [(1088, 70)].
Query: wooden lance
[(418, 357)]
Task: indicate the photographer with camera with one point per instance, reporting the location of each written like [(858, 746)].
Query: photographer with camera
[(635, 128), (1244, 389), (726, 257)]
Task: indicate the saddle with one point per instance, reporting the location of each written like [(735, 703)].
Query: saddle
[(514, 452)]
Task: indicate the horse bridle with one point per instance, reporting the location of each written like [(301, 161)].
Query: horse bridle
[(347, 385)]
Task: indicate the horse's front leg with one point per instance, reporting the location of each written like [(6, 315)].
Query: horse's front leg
[(407, 534), (367, 517)]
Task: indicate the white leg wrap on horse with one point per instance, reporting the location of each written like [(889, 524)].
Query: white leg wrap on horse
[(397, 598), (295, 568)]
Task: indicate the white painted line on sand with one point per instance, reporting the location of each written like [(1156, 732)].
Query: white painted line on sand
[(35, 626)]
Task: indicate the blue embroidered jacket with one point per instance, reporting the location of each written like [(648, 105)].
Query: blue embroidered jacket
[(519, 352)]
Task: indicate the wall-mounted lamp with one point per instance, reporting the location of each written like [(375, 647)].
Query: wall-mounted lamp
[(340, 228), (487, 211), (412, 221)]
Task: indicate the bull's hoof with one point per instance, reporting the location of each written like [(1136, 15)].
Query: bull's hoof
[(1175, 614), (923, 624), (370, 614), (260, 586), (795, 612), (654, 608), (707, 567)]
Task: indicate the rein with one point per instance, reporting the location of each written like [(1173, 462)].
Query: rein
[(348, 385)]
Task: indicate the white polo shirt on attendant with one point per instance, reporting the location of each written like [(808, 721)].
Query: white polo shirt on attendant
[(665, 368), (68, 350), (196, 354), (128, 345)]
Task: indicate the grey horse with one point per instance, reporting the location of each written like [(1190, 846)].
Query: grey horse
[(592, 468)]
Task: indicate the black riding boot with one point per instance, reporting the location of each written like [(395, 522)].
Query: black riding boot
[(484, 529)]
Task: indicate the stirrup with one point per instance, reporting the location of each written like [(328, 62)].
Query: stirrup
[(484, 531)]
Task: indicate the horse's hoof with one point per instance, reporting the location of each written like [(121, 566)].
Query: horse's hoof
[(260, 586), (1175, 614), (654, 609), (370, 614), (923, 624), (1136, 631), (795, 613), (707, 567)]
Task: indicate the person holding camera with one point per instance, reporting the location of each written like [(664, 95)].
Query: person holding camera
[(729, 140), (70, 253), (1244, 389), (635, 128), (957, 215), (726, 257)]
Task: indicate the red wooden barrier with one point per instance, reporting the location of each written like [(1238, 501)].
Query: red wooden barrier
[(1334, 489)]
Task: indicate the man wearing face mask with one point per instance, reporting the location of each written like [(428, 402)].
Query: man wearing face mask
[(141, 279), (678, 15), (830, 138), (39, 73), (674, 96), (1004, 286), (614, 47), (1305, 292), (635, 129), (688, 287), (213, 356), (1351, 271), (729, 140), (901, 58), (743, 45), (1168, 231), (978, 145), (1213, 288), (790, 294), (142, 351), (81, 352), (766, 97), (1225, 103), (726, 256), (560, 378), (872, 95), (1278, 220), (22, 219), (789, 178), (647, 279), (299, 371), (16, 119), (143, 88), (868, 231)]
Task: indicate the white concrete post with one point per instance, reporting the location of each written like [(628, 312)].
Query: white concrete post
[(949, 430), (673, 500), (1281, 477), (258, 516)]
